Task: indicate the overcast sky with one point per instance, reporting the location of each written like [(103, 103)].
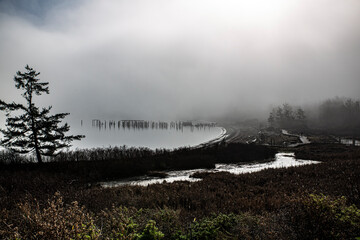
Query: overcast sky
[(178, 59)]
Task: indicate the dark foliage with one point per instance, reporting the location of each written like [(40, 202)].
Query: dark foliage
[(324, 217), (286, 117), (340, 116), (114, 163)]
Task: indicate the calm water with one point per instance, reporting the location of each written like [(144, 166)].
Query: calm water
[(282, 160), (144, 134)]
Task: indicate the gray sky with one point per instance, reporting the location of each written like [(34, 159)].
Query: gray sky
[(171, 59)]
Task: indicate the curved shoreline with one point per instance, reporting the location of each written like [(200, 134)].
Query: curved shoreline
[(214, 140)]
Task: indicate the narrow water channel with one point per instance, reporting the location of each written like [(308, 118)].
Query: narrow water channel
[(281, 160)]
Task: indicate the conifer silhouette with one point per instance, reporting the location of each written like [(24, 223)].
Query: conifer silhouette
[(34, 130)]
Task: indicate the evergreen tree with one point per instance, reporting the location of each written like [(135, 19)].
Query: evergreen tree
[(286, 117), (300, 114), (279, 117), (34, 130), (271, 118), (287, 112)]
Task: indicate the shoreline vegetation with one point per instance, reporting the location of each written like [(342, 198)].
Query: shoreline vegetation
[(61, 200), (103, 164)]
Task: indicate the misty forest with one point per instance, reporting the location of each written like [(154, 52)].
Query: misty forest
[(179, 119)]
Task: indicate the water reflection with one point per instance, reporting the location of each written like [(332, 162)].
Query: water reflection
[(281, 160), (142, 124), (150, 134)]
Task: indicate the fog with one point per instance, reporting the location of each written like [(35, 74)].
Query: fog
[(181, 59)]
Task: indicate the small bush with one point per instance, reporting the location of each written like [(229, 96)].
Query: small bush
[(168, 221), (54, 221), (213, 227), (118, 223), (324, 217), (10, 157), (129, 223), (151, 232)]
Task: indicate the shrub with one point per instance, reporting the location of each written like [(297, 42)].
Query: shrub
[(324, 217), (168, 221), (11, 157), (213, 227), (151, 232), (118, 223), (55, 221), (129, 223)]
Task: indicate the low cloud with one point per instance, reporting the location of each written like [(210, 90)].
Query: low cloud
[(181, 59)]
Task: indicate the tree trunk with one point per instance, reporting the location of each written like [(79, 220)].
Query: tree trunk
[(38, 156), (34, 129), (36, 142)]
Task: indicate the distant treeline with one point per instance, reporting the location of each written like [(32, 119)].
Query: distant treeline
[(339, 116), (142, 124), (287, 117)]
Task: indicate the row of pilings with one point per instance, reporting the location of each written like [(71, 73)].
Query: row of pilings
[(142, 124)]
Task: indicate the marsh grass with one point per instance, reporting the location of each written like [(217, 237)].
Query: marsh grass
[(305, 202)]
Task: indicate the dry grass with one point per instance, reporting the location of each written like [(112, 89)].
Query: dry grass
[(271, 204)]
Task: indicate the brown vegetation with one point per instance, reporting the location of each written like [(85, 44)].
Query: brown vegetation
[(271, 204)]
